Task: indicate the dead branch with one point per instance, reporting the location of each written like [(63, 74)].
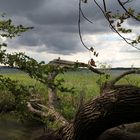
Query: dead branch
[(35, 111), (51, 110), (79, 24), (102, 113), (47, 112), (110, 24), (71, 65), (137, 71), (125, 9), (110, 85), (105, 12), (115, 107)]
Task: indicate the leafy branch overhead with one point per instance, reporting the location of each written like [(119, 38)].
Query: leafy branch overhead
[(8, 29), (40, 71), (115, 20)]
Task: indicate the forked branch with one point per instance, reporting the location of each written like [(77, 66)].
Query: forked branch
[(137, 71)]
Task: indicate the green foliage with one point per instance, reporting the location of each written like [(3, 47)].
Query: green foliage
[(14, 94), (59, 83), (123, 30), (36, 70), (82, 81), (104, 77), (133, 79), (18, 93), (9, 30), (117, 20), (6, 100)]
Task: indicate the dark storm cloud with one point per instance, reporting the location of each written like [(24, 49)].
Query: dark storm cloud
[(55, 22), (20, 7), (60, 43)]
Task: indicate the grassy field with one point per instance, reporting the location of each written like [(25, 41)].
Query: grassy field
[(86, 84)]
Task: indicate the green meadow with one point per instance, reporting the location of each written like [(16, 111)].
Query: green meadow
[(82, 81), (86, 85)]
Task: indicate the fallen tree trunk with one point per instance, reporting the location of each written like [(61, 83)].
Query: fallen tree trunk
[(118, 134), (107, 111), (117, 104), (98, 115)]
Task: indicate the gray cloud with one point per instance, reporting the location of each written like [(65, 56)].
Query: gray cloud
[(55, 22), (20, 7)]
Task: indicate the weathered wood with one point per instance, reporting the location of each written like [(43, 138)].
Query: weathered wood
[(53, 101), (71, 64), (118, 104), (119, 134), (107, 111), (136, 71), (62, 62), (104, 112)]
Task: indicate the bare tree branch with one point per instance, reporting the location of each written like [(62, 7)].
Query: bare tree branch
[(35, 111), (124, 74), (127, 1), (79, 27), (104, 3), (71, 64), (47, 112), (83, 15), (112, 27), (133, 16)]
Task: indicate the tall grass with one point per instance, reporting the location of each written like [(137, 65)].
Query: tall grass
[(25, 79), (84, 83)]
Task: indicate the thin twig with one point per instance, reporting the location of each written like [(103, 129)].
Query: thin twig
[(127, 2), (105, 9), (122, 5), (124, 74), (113, 28), (79, 26), (83, 15)]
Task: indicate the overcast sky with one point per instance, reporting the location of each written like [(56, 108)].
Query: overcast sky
[(55, 32)]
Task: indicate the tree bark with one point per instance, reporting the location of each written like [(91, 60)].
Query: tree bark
[(109, 110), (118, 134), (118, 104)]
